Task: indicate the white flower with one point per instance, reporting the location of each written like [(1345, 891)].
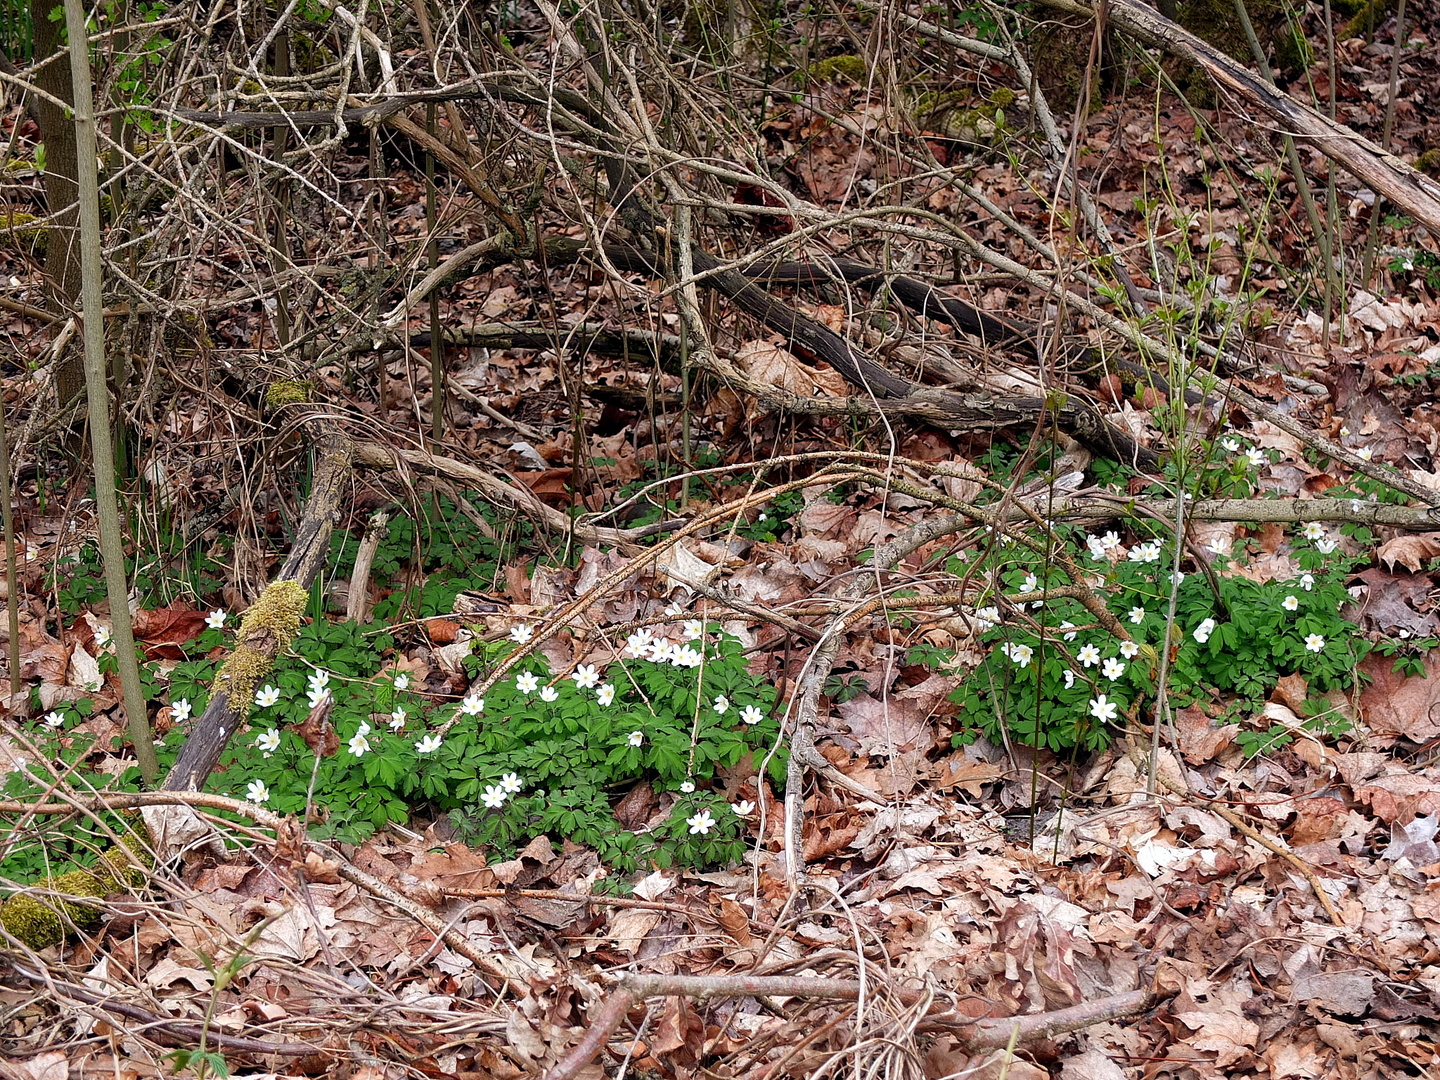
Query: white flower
[(721, 704), (216, 619), (1204, 630), (397, 719), (180, 710), (1307, 581), (494, 797), (1103, 710), (1068, 629), (1313, 530), (687, 656), (1355, 505), (751, 715), (586, 676), (638, 643), (1137, 615), (1365, 453), (54, 719), (636, 738), (267, 742), (1030, 584), (1218, 548), (986, 618), (1110, 541), (527, 682), (694, 629), (363, 729), (359, 744), (257, 792), (1257, 457), (1145, 553), (511, 784), (1230, 445), (1112, 668), (428, 744), (473, 705), (317, 696), (1088, 655), (549, 693), (1290, 603), (743, 808), (701, 823), (521, 634), (686, 787), (1325, 547), (1129, 649), (762, 516), (1314, 643), (32, 551), (674, 609), (402, 682), (1097, 548), (1020, 654), (1344, 431), (319, 679), (1177, 578), (658, 651), (266, 696), (1069, 679), (102, 637), (606, 694)]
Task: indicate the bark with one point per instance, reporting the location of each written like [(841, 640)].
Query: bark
[(62, 193)]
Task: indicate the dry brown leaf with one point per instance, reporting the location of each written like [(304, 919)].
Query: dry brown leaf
[(1410, 550)]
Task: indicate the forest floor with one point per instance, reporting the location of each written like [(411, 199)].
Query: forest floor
[(945, 871)]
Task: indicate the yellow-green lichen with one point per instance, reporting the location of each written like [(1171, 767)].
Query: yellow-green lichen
[(43, 918), (265, 632), (287, 392)]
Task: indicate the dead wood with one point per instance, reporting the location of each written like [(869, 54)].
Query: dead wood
[(308, 553), (1378, 169), (990, 1033)]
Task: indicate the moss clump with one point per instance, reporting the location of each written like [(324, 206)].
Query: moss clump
[(283, 392), (18, 232), (848, 68), (1368, 16), (1429, 162), (1002, 97), (43, 920), (265, 632)]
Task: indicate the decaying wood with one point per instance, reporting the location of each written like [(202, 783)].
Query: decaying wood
[(308, 553), (1372, 165), (990, 1033)]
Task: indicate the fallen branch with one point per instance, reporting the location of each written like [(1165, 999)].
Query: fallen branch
[(1378, 169), (984, 1034)]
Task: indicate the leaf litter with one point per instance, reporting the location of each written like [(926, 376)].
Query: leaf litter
[(1002, 884)]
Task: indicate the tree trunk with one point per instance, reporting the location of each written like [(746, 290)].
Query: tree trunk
[(62, 194)]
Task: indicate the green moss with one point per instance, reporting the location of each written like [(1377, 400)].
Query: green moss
[(1429, 162), (265, 632), (847, 68), (1293, 53), (1002, 97), (1367, 16), (953, 115), (283, 392), (19, 233), (43, 920)]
